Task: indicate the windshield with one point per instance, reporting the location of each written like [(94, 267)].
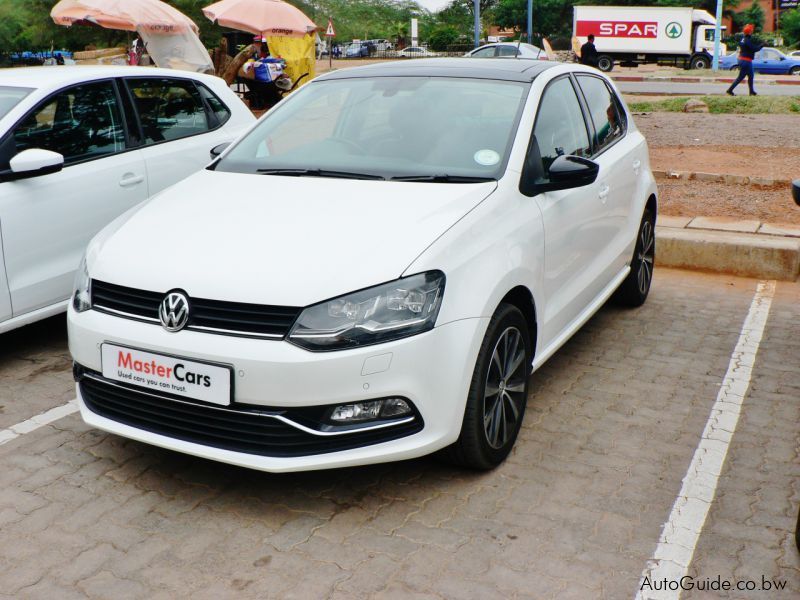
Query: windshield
[(387, 127), (10, 97)]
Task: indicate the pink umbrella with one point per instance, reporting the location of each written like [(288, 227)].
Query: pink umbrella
[(262, 17), (152, 16)]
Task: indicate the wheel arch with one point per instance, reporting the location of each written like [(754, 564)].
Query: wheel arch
[(652, 205), (521, 297)]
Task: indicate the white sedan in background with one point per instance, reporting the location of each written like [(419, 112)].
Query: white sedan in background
[(416, 52), (508, 50), (79, 146), (379, 288)]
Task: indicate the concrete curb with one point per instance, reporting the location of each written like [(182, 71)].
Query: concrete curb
[(644, 78), (743, 254), (721, 178)]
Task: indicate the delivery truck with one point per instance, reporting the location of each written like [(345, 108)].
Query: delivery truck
[(633, 35)]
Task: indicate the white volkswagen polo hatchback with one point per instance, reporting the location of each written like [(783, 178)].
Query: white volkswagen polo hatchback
[(79, 146), (372, 272)]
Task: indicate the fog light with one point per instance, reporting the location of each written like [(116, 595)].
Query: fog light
[(373, 409)]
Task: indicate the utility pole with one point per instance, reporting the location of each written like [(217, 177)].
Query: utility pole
[(530, 21), (477, 10), (717, 36)]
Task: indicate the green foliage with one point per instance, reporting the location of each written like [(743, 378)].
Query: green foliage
[(443, 37), (550, 17), (725, 105), (790, 26), (754, 15)]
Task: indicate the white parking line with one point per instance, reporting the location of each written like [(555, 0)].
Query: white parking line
[(40, 420), (680, 533)]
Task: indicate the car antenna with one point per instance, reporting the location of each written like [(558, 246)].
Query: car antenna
[(519, 43)]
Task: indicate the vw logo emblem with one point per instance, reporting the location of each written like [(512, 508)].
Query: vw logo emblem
[(174, 311)]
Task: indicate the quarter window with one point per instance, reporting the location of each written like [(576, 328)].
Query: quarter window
[(605, 109), (169, 109), (217, 107), (80, 123), (560, 129)]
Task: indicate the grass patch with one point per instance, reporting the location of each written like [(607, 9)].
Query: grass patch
[(724, 105)]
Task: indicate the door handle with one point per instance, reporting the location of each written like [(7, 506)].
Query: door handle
[(637, 165), (130, 179), (603, 193)]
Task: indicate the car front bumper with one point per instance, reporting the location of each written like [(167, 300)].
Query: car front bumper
[(433, 370)]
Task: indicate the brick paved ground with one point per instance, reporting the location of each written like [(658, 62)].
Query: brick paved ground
[(577, 510)]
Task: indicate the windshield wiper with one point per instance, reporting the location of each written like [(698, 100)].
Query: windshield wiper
[(444, 178), (319, 173)]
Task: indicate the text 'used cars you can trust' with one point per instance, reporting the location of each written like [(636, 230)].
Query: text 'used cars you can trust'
[(372, 272)]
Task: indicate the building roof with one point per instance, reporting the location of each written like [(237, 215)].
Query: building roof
[(507, 69)]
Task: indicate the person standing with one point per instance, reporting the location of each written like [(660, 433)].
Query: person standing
[(747, 52), (589, 53)]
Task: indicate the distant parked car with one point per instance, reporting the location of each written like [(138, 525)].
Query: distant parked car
[(794, 54), (381, 45), (359, 50), (768, 60), (79, 146), (508, 50), (416, 52)]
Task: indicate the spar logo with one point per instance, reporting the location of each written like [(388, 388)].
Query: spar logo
[(618, 29), (674, 30)]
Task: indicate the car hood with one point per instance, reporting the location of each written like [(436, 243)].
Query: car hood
[(289, 241)]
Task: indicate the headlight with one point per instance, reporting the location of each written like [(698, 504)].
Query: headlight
[(382, 313), (82, 298)]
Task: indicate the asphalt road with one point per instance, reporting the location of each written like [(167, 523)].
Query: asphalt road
[(603, 486), (670, 88)]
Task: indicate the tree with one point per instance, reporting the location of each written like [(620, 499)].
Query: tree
[(790, 26), (442, 38), (754, 15), (550, 17)]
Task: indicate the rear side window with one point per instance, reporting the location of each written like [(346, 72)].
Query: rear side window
[(484, 53), (605, 109), (169, 109), (506, 51), (80, 123), (221, 112), (560, 129)]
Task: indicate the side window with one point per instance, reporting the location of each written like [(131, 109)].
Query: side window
[(560, 129), (217, 107), (506, 51), (81, 123), (169, 109), (484, 53), (605, 109)]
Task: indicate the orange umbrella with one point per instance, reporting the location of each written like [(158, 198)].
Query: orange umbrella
[(152, 16), (262, 17)]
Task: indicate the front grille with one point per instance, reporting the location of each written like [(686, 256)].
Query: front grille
[(250, 429), (214, 316)]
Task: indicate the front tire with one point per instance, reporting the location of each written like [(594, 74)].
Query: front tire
[(700, 62), (634, 290), (794, 70), (605, 63), (497, 394)]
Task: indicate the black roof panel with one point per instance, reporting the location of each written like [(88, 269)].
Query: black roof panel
[(508, 69)]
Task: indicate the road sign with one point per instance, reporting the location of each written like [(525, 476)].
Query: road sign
[(330, 31)]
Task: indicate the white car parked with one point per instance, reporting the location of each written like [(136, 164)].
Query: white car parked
[(79, 146), (508, 50), (416, 52), (377, 288)]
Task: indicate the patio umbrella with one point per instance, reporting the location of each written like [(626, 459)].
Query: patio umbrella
[(152, 16), (170, 36), (262, 17)]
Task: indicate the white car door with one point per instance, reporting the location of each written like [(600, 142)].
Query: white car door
[(48, 220), (181, 123), (621, 160), (574, 218)]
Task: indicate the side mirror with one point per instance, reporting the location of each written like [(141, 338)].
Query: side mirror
[(568, 172), (218, 149), (796, 191), (34, 162)]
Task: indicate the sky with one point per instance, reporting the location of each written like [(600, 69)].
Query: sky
[(433, 5)]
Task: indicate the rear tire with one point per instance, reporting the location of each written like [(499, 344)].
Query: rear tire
[(497, 394), (636, 286), (605, 63), (700, 62), (794, 70)]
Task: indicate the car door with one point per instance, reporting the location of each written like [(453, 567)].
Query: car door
[(573, 219), (766, 61), (48, 220), (621, 157), (179, 126)]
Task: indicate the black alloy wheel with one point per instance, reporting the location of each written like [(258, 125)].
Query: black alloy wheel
[(498, 393), (636, 286)]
